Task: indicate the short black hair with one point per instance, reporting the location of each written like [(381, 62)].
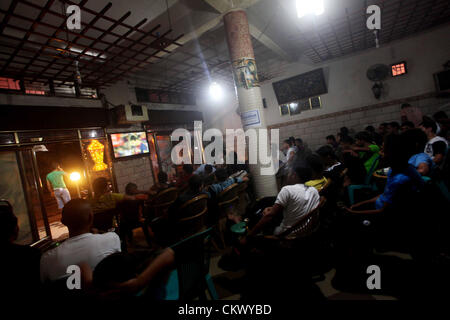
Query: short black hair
[(364, 136), (347, 139), (288, 142), (370, 129), (429, 123), (384, 124), (304, 174), (394, 124), (344, 131), (8, 221), (331, 137), (415, 138), (406, 105), (299, 140), (100, 185), (315, 163), (162, 177), (397, 152), (221, 174), (440, 115), (188, 168), (408, 124), (195, 182), (116, 268), (208, 168), (326, 151), (130, 187)]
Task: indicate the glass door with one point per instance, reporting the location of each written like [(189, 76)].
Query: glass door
[(12, 190)]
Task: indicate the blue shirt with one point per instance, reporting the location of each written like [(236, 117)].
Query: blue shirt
[(419, 158), (201, 170), (393, 184), (219, 187)]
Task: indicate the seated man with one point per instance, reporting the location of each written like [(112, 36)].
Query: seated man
[(105, 200), (205, 169), (318, 180), (436, 147), (161, 185), (397, 152), (223, 182), (195, 186), (368, 151), (20, 264), (82, 247), (185, 175), (333, 168), (293, 202), (208, 175), (356, 169), (420, 160)]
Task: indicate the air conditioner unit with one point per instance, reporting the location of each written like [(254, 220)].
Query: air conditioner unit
[(131, 114)]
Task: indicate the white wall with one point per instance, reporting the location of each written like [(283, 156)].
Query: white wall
[(350, 101), (348, 86)]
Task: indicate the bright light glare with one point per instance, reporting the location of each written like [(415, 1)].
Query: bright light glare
[(305, 7), (75, 176), (216, 91)]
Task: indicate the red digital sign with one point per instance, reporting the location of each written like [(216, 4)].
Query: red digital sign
[(398, 69)]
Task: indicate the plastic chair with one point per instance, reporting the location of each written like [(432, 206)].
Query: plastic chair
[(191, 277), (368, 183)]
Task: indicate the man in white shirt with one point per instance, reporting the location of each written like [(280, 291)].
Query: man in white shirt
[(436, 146), (82, 247), (294, 201)]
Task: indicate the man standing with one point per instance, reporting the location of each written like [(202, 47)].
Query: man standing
[(57, 186)]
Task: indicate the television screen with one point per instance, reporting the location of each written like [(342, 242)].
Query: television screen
[(129, 144)]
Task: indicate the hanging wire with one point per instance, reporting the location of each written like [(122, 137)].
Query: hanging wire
[(168, 14)]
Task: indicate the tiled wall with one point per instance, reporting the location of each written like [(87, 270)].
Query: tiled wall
[(314, 130), (136, 170)]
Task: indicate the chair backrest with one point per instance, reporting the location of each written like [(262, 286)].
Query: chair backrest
[(191, 216), (306, 225), (374, 167), (163, 201), (104, 220), (191, 261), (228, 196), (165, 196)]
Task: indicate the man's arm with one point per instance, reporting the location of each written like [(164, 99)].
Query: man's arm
[(268, 215), (163, 262), (50, 188), (374, 211), (439, 149), (373, 200)]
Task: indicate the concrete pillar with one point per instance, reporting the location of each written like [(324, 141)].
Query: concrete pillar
[(248, 88)]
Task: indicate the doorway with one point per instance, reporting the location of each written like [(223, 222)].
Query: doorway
[(68, 156)]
